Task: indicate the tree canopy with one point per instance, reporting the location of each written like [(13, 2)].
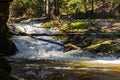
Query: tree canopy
[(38, 8)]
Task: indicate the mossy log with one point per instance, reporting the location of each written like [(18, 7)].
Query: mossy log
[(94, 46)]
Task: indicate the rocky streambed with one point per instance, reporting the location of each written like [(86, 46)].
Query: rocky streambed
[(59, 70)]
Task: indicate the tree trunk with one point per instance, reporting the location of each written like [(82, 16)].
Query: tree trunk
[(4, 15), (46, 8), (92, 14), (51, 8), (56, 9), (6, 46)]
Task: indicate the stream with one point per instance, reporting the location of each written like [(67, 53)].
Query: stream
[(40, 60)]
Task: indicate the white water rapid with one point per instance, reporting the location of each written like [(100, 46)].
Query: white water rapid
[(30, 48)]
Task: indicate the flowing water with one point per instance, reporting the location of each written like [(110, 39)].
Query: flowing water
[(40, 60)]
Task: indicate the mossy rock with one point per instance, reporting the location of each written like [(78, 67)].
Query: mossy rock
[(107, 48)]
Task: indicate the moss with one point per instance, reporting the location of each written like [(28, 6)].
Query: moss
[(107, 48), (104, 46), (84, 25), (69, 26), (94, 46)]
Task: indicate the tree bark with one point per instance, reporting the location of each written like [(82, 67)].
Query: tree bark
[(4, 15), (7, 48), (56, 9)]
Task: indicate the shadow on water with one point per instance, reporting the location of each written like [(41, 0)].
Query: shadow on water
[(59, 70)]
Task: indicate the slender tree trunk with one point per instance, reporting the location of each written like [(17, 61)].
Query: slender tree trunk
[(56, 7), (92, 13), (46, 8), (52, 8)]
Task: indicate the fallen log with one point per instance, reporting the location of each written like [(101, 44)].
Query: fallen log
[(64, 44), (94, 46), (19, 33), (96, 34), (62, 34)]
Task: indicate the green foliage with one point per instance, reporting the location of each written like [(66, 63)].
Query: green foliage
[(58, 24), (35, 8), (27, 8), (68, 26), (84, 25), (76, 6)]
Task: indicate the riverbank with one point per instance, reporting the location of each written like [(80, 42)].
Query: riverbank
[(100, 35)]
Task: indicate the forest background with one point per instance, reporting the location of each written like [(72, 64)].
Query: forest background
[(75, 16), (71, 8)]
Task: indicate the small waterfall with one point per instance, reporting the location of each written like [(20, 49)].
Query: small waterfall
[(30, 48)]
